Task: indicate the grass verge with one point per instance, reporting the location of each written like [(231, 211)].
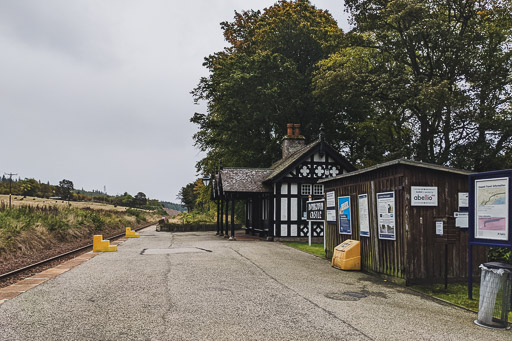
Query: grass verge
[(456, 294), (315, 249)]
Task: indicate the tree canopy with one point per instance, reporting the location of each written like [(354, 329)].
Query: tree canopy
[(262, 81), (428, 80)]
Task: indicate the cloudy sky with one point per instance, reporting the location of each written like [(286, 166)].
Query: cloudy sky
[(98, 91)]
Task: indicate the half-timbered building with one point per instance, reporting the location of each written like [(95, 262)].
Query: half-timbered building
[(275, 197)]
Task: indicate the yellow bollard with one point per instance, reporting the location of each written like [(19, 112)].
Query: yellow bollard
[(100, 245), (131, 234)]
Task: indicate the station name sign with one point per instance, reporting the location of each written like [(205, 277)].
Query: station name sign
[(315, 210)]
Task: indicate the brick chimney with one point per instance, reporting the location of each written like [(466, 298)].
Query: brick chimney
[(293, 140)]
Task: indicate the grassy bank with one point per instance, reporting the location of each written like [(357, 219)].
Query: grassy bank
[(19, 224)]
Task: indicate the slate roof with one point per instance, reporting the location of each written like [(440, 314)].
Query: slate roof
[(402, 162), (281, 166), (245, 180)]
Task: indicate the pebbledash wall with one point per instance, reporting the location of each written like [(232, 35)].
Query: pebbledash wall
[(417, 254)]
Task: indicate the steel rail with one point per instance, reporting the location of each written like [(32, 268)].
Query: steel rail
[(83, 248)]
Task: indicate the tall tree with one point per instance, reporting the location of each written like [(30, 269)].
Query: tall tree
[(65, 189), (262, 81), (444, 74)]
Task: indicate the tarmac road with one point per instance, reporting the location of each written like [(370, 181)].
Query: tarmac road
[(196, 286)]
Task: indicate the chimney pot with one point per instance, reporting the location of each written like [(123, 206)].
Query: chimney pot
[(290, 129), (297, 129)]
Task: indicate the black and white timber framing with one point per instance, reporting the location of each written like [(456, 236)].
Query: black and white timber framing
[(275, 197)]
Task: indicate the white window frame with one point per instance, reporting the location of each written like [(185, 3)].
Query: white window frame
[(305, 189), (318, 189)]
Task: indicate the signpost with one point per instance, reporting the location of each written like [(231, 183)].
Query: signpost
[(315, 211)]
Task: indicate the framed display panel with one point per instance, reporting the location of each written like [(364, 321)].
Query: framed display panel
[(345, 221), (489, 213), (386, 215), (364, 214)]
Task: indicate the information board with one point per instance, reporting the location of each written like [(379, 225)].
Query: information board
[(330, 197), (331, 215), (364, 221), (491, 209), (463, 201), (345, 225), (386, 215)]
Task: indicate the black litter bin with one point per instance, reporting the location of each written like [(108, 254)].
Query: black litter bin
[(495, 291)]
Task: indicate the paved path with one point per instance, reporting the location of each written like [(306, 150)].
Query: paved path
[(243, 290)]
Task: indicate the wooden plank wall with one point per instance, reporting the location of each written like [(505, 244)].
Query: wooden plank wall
[(415, 256)]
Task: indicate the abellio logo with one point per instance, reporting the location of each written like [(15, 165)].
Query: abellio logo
[(424, 197)]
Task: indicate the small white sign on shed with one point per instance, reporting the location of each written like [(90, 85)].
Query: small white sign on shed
[(423, 196)]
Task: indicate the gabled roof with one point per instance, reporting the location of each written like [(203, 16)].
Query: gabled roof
[(283, 167), (401, 162), (245, 180)]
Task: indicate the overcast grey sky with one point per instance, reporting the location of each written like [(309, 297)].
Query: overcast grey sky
[(97, 91)]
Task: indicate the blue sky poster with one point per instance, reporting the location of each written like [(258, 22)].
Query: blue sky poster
[(344, 215)]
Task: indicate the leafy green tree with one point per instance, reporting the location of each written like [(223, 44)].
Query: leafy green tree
[(439, 79), (188, 196), (29, 187), (262, 81), (140, 199), (65, 189)]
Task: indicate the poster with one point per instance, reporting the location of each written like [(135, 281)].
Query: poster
[(463, 201), (364, 222), (461, 219), (491, 209), (439, 228), (386, 215), (344, 215), (423, 196), (331, 199), (331, 215)]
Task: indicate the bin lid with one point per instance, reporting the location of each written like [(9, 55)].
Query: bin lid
[(498, 265)]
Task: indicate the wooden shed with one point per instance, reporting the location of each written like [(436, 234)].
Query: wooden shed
[(408, 249)]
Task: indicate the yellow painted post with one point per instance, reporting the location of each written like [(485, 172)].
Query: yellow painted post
[(131, 234), (100, 245)]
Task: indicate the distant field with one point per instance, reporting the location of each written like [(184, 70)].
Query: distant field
[(18, 200)]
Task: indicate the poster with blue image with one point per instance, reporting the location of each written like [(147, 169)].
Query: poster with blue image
[(344, 215)]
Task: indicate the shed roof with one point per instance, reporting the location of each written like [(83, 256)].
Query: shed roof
[(400, 162), (245, 180)]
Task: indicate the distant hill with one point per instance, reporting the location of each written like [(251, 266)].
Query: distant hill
[(173, 206)]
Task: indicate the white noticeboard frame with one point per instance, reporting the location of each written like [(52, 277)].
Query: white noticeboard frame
[(364, 221), (491, 209), (439, 228), (330, 198), (331, 215), (423, 196), (386, 215), (463, 200), (461, 219)]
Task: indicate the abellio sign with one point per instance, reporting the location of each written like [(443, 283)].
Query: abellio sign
[(423, 196)]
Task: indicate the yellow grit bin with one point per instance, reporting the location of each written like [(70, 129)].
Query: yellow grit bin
[(347, 255)]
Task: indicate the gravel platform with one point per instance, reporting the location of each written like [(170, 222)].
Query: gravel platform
[(196, 286)]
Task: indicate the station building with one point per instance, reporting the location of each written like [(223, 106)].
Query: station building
[(275, 197)]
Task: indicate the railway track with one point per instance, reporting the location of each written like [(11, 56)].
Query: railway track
[(14, 273)]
